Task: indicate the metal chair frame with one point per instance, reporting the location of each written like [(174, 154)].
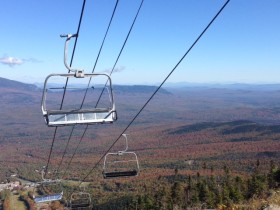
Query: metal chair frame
[(60, 117), (93, 115), (48, 197), (115, 174), (84, 201)]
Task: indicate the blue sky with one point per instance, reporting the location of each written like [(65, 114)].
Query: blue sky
[(243, 44)]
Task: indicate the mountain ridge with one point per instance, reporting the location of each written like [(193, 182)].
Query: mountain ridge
[(7, 83), (12, 84)]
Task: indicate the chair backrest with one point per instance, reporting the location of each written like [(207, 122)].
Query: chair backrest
[(81, 105)]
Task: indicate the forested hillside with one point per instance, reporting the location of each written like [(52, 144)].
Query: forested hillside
[(196, 146)]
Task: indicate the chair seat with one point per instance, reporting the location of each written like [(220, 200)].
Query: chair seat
[(48, 198), (59, 117), (120, 174)]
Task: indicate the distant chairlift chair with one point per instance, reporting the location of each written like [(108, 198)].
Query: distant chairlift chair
[(121, 163), (48, 186), (61, 117), (80, 201)]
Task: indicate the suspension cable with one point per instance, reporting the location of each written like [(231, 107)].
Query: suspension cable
[(87, 90), (68, 165), (120, 51), (182, 58), (101, 47), (114, 66), (74, 49), (49, 158), (65, 150), (66, 83)]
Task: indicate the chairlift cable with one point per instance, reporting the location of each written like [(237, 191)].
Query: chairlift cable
[(49, 158), (131, 27), (65, 150), (66, 83), (121, 50), (74, 49), (68, 165), (100, 49), (174, 68)]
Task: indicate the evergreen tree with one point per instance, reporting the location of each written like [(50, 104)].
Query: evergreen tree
[(273, 176), (148, 202), (257, 185), (177, 193), (162, 198), (276, 177), (236, 190)]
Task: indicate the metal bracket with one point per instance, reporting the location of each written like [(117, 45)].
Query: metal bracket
[(79, 73)]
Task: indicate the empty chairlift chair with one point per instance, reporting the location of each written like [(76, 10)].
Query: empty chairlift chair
[(92, 113), (121, 163), (49, 190), (80, 201), (78, 115)]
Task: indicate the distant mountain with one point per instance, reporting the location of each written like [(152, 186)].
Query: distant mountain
[(11, 84), (232, 86), (116, 88), (138, 89), (13, 93), (227, 128)]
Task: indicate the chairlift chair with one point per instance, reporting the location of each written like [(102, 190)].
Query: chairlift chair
[(51, 189), (121, 164), (48, 198), (60, 117), (72, 116), (80, 201)]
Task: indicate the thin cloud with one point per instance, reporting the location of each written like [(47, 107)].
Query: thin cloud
[(12, 61), (119, 69), (116, 70), (32, 60)]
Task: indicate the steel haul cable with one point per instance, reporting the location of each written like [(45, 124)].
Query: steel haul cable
[(132, 25), (182, 58), (121, 50), (82, 180), (65, 150), (71, 61), (101, 47), (68, 165)]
